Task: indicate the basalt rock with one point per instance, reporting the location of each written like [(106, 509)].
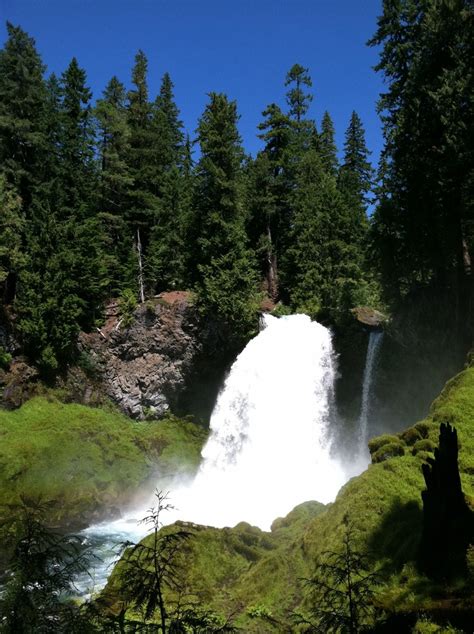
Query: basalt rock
[(147, 367)]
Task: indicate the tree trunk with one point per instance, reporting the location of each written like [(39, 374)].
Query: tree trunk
[(272, 275), (140, 267)]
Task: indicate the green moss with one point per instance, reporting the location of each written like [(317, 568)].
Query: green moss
[(410, 436), (87, 460), (388, 450), (425, 445), (379, 441)]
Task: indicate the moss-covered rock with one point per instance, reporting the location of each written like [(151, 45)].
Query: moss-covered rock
[(88, 461), (390, 450), (411, 436), (425, 445), (383, 447)]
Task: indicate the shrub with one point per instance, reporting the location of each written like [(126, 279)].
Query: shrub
[(423, 445), (127, 303), (379, 441), (410, 436), (389, 450)]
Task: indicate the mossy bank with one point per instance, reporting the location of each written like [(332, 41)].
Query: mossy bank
[(256, 576), (88, 462)]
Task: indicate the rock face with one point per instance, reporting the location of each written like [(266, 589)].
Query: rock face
[(145, 367), (369, 316)]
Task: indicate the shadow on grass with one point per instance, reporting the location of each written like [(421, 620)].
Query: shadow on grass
[(398, 534)]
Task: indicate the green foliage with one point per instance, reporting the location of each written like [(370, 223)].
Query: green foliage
[(23, 97), (128, 303), (5, 358), (388, 450), (322, 267), (423, 445), (422, 227), (100, 458), (40, 572), (226, 277), (342, 590), (327, 145), (12, 225)]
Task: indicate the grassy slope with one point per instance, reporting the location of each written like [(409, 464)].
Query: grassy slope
[(247, 572), (88, 460)]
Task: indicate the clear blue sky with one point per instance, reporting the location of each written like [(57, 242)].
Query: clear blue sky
[(241, 47)]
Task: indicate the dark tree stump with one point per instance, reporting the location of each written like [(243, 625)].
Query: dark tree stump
[(447, 519)]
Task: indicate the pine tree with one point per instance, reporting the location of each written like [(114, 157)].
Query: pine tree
[(323, 265), (143, 200), (168, 254), (303, 129), (168, 128), (355, 178), (327, 145), (23, 97), (12, 223), (115, 181), (78, 175), (297, 99), (270, 185), (356, 173), (226, 279), (423, 225)]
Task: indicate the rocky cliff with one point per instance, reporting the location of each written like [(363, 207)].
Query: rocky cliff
[(166, 359)]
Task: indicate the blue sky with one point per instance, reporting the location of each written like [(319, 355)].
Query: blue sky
[(241, 47)]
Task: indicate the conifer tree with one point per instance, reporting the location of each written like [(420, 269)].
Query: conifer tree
[(327, 145), (78, 176), (23, 140), (226, 280), (168, 253), (298, 101), (423, 225), (115, 180), (143, 201), (12, 223), (270, 185), (303, 129), (322, 266), (356, 173)]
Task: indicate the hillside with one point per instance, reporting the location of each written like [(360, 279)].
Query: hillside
[(259, 575)]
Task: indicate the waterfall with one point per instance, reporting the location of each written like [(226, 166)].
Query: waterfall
[(269, 447), (373, 348), (269, 443)]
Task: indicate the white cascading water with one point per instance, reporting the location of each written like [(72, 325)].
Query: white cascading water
[(373, 348), (270, 443), (269, 446)]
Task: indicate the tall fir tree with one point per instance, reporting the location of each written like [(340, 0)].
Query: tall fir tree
[(23, 99), (12, 226), (143, 200), (327, 145), (78, 173), (322, 266), (270, 184), (168, 253), (423, 226), (115, 181), (356, 176), (226, 279)]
